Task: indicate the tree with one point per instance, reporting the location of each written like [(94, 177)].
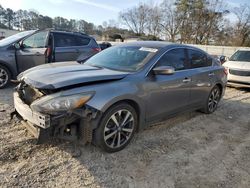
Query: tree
[(9, 17), (242, 29), (136, 18), (170, 23)]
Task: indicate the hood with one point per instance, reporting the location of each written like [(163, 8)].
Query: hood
[(237, 65), (63, 74)]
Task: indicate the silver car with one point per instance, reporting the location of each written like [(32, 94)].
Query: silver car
[(36, 47), (117, 92)]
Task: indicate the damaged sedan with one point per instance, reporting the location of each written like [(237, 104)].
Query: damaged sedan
[(117, 92)]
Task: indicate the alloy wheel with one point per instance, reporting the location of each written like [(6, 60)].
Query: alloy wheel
[(119, 128), (213, 99), (3, 77)]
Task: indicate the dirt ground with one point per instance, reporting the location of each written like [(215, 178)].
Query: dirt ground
[(191, 150)]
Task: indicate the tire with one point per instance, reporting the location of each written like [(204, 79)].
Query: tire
[(4, 76), (117, 127), (212, 100)]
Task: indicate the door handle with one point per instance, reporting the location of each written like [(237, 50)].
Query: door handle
[(186, 80), (211, 74)]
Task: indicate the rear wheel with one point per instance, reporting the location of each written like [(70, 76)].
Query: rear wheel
[(117, 128), (213, 100), (4, 76)]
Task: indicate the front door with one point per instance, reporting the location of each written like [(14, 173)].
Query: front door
[(32, 51), (168, 94)]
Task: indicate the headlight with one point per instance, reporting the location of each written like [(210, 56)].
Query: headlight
[(52, 105)]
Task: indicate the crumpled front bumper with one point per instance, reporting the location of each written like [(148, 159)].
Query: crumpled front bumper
[(43, 126), (36, 118)]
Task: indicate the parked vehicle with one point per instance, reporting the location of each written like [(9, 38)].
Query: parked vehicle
[(105, 45), (238, 68), (36, 47), (117, 92)]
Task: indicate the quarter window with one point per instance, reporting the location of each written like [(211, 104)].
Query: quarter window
[(197, 59), (175, 58), (64, 40), (38, 40), (82, 41)]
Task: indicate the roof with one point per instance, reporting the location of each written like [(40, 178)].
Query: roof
[(157, 44)]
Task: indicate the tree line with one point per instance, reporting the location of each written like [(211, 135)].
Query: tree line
[(191, 21), (183, 21), (26, 20)]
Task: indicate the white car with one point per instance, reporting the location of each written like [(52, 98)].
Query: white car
[(238, 68)]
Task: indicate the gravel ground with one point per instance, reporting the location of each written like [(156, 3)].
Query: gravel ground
[(191, 150)]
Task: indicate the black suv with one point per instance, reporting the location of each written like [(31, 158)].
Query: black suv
[(35, 47)]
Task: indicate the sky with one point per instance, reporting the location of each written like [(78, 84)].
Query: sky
[(95, 11)]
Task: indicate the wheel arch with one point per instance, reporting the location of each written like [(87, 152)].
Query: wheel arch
[(8, 68), (136, 105), (221, 88)]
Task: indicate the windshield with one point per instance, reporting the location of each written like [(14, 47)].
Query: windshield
[(122, 58), (241, 55), (14, 38)]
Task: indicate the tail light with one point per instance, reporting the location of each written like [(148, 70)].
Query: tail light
[(225, 70), (96, 49), (48, 52)]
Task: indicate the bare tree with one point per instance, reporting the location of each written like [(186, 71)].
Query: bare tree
[(154, 19), (136, 18), (170, 22), (242, 30)]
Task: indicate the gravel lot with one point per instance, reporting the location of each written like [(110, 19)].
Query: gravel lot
[(191, 150)]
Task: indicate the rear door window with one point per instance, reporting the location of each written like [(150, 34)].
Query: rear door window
[(198, 59), (175, 58), (64, 40), (82, 41)]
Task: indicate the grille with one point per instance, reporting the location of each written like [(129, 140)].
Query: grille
[(239, 72)]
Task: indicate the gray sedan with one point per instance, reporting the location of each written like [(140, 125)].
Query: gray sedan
[(117, 92)]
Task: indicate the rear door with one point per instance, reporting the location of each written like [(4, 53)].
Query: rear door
[(202, 74), (86, 47), (65, 47), (168, 94), (32, 51)]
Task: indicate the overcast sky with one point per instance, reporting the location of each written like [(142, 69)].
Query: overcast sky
[(95, 11)]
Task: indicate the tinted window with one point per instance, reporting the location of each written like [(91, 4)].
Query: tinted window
[(175, 58), (64, 40), (197, 59), (37, 40), (82, 41)]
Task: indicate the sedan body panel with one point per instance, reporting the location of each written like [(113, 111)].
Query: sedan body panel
[(82, 95), (55, 76)]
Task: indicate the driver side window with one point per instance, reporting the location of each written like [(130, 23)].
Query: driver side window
[(175, 58), (38, 40)]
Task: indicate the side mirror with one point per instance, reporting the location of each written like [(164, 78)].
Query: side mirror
[(223, 59), (164, 70), (17, 45)]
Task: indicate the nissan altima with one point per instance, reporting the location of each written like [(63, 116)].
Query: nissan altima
[(121, 90)]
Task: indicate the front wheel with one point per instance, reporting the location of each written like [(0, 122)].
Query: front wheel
[(4, 76), (117, 128), (213, 100)]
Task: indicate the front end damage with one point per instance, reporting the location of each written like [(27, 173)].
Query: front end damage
[(73, 125)]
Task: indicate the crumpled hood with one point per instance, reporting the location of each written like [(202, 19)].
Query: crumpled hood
[(63, 74)]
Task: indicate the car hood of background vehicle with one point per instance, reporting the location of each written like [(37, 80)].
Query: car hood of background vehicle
[(237, 65), (59, 75)]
